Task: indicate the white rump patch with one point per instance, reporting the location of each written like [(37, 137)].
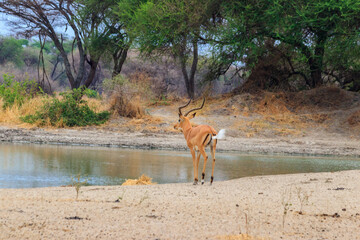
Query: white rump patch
[(220, 135)]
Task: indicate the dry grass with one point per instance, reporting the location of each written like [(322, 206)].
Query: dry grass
[(146, 119), (354, 119), (143, 180), (146, 123), (97, 105), (11, 115), (126, 106)]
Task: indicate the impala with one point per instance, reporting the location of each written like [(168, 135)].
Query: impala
[(197, 139)]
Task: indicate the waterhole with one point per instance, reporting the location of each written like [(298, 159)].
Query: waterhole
[(32, 165)]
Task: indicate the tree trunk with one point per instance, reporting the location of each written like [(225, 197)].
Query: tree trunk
[(315, 75), (119, 58), (63, 54), (316, 60), (193, 69), (186, 77), (189, 80), (93, 66)]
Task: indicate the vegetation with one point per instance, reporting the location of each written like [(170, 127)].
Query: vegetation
[(11, 50), (77, 184), (179, 46), (304, 33), (92, 35), (125, 96), (171, 27), (70, 111), (14, 92)]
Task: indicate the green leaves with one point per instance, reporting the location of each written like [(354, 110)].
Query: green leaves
[(311, 31), (15, 92), (70, 111), (11, 50)]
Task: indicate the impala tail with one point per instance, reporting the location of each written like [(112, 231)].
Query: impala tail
[(220, 135)]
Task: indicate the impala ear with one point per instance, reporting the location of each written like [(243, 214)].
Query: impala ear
[(192, 115)]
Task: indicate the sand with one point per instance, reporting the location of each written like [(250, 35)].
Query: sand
[(298, 206)]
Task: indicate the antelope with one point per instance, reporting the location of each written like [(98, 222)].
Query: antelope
[(197, 139)]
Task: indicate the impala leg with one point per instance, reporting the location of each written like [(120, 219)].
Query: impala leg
[(202, 151), (197, 165), (194, 165), (213, 148)]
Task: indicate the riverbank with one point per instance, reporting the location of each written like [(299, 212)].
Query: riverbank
[(327, 145), (299, 206)]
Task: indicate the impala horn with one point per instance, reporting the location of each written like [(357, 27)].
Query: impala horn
[(202, 105), (180, 113)]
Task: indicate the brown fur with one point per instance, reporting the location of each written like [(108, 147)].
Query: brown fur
[(196, 140)]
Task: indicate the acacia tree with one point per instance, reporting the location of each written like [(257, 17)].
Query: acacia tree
[(44, 17), (170, 27), (105, 32), (87, 20), (308, 28), (11, 50)]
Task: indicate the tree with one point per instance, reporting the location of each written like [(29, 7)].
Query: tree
[(43, 18), (107, 33), (88, 20), (11, 50), (308, 27), (170, 27)]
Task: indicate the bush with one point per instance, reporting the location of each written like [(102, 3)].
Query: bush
[(13, 92), (91, 93), (126, 96), (70, 111), (11, 50)]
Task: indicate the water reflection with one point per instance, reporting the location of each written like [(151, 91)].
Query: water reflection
[(29, 165)]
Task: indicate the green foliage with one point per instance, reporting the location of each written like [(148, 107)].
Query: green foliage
[(31, 56), (171, 28), (314, 31), (14, 92), (91, 93), (11, 51), (70, 111), (162, 25)]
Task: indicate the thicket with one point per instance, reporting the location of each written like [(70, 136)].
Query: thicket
[(273, 44), (71, 110), (17, 92)]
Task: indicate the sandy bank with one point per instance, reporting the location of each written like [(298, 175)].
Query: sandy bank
[(300, 206), (334, 145)]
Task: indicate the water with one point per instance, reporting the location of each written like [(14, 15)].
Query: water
[(31, 165)]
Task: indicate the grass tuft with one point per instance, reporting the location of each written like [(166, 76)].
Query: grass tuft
[(143, 180)]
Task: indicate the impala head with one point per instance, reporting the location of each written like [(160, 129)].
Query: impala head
[(184, 119)]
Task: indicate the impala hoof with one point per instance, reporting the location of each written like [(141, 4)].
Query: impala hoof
[(202, 182), (195, 182)]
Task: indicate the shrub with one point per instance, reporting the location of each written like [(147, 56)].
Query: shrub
[(11, 51), (70, 111), (126, 96), (91, 93), (14, 92)]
